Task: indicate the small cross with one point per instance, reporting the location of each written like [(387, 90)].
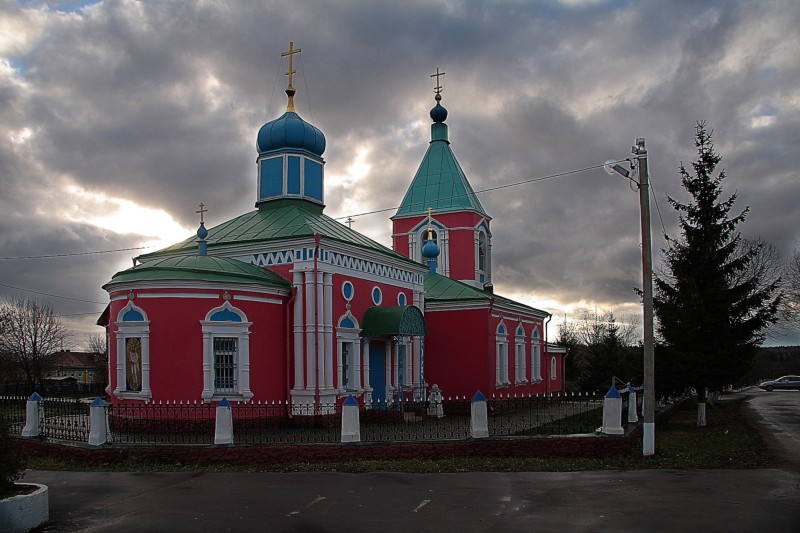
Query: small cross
[(430, 225), (438, 89), (202, 211), (290, 52), (350, 221)]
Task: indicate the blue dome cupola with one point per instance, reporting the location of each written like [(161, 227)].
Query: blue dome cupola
[(430, 250), (290, 164)]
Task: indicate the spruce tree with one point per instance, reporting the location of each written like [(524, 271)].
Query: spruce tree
[(710, 315)]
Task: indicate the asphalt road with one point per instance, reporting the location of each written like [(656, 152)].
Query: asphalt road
[(653, 500)]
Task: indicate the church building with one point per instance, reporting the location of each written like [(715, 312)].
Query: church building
[(284, 303)]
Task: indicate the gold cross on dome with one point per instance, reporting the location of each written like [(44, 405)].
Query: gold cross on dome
[(202, 211), (430, 225), (291, 52), (438, 89)]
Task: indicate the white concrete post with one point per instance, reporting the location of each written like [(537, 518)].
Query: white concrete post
[(351, 425), (223, 426), (98, 423), (32, 416), (612, 413), (435, 407), (479, 421), (632, 416)]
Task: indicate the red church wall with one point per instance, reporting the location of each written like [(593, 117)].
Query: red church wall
[(176, 345), (456, 352)]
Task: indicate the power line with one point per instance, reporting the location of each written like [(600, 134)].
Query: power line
[(50, 256), (52, 295)]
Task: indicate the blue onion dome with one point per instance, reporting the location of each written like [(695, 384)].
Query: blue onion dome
[(430, 250), (202, 232), (290, 131), (439, 113)]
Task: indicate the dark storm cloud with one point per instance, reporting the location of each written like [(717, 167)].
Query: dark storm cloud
[(159, 103)]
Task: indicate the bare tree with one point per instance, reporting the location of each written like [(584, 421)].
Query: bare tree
[(790, 305), (98, 348), (30, 333)]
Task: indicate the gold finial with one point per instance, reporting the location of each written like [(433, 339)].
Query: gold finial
[(202, 211), (430, 224), (290, 88), (438, 89)]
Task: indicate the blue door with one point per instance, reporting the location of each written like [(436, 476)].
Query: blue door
[(377, 373)]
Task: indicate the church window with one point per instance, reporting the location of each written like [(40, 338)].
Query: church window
[(402, 299), (349, 344), (482, 252), (226, 354), (133, 353), (501, 356), (553, 368), (377, 295), (519, 360), (536, 357), (225, 363), (348, 291)]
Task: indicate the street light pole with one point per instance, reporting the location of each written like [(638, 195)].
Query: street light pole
[(648, 402)]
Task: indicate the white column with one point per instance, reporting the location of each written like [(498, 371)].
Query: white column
[(612, 413), (297, 278), (328, 329), (146, 364), (311, 355), (365, 370), (208, 378), (244, 362), (319, 329), (121, 380)]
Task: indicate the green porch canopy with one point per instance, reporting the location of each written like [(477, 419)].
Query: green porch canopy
[(393, 320)]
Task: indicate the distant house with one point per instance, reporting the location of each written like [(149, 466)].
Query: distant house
[(86, 368)]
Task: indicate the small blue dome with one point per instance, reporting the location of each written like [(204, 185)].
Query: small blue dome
[(439, 113), (430, 250), (290, 131)]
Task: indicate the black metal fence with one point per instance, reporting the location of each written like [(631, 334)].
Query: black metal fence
[(279, 423)]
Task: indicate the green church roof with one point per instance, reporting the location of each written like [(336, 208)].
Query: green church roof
[(439, 183), (441, 289), (200, 268), (277, 220)]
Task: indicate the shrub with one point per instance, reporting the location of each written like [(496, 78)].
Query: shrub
[(11, 460)]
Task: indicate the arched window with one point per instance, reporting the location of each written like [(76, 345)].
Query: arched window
[(501, 337), (482, 252), (553, 368), (536, 357), (520, 372), (226, 354), (349, 347), (133, 353)]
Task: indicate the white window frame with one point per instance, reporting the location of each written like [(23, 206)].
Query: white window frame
[(226, 328), (350, 337), (130, 329), (536, 357), (501, 358), (553, 369), (520, 369)]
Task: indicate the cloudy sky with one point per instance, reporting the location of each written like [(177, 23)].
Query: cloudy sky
[(119, 117)]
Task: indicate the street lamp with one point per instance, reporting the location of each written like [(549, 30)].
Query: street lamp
[(648, 402)]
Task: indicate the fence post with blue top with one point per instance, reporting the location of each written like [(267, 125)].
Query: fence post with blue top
[(479, 422), (223, 425), (612, 413), (98, 422), (32, 416), (351, 423)]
